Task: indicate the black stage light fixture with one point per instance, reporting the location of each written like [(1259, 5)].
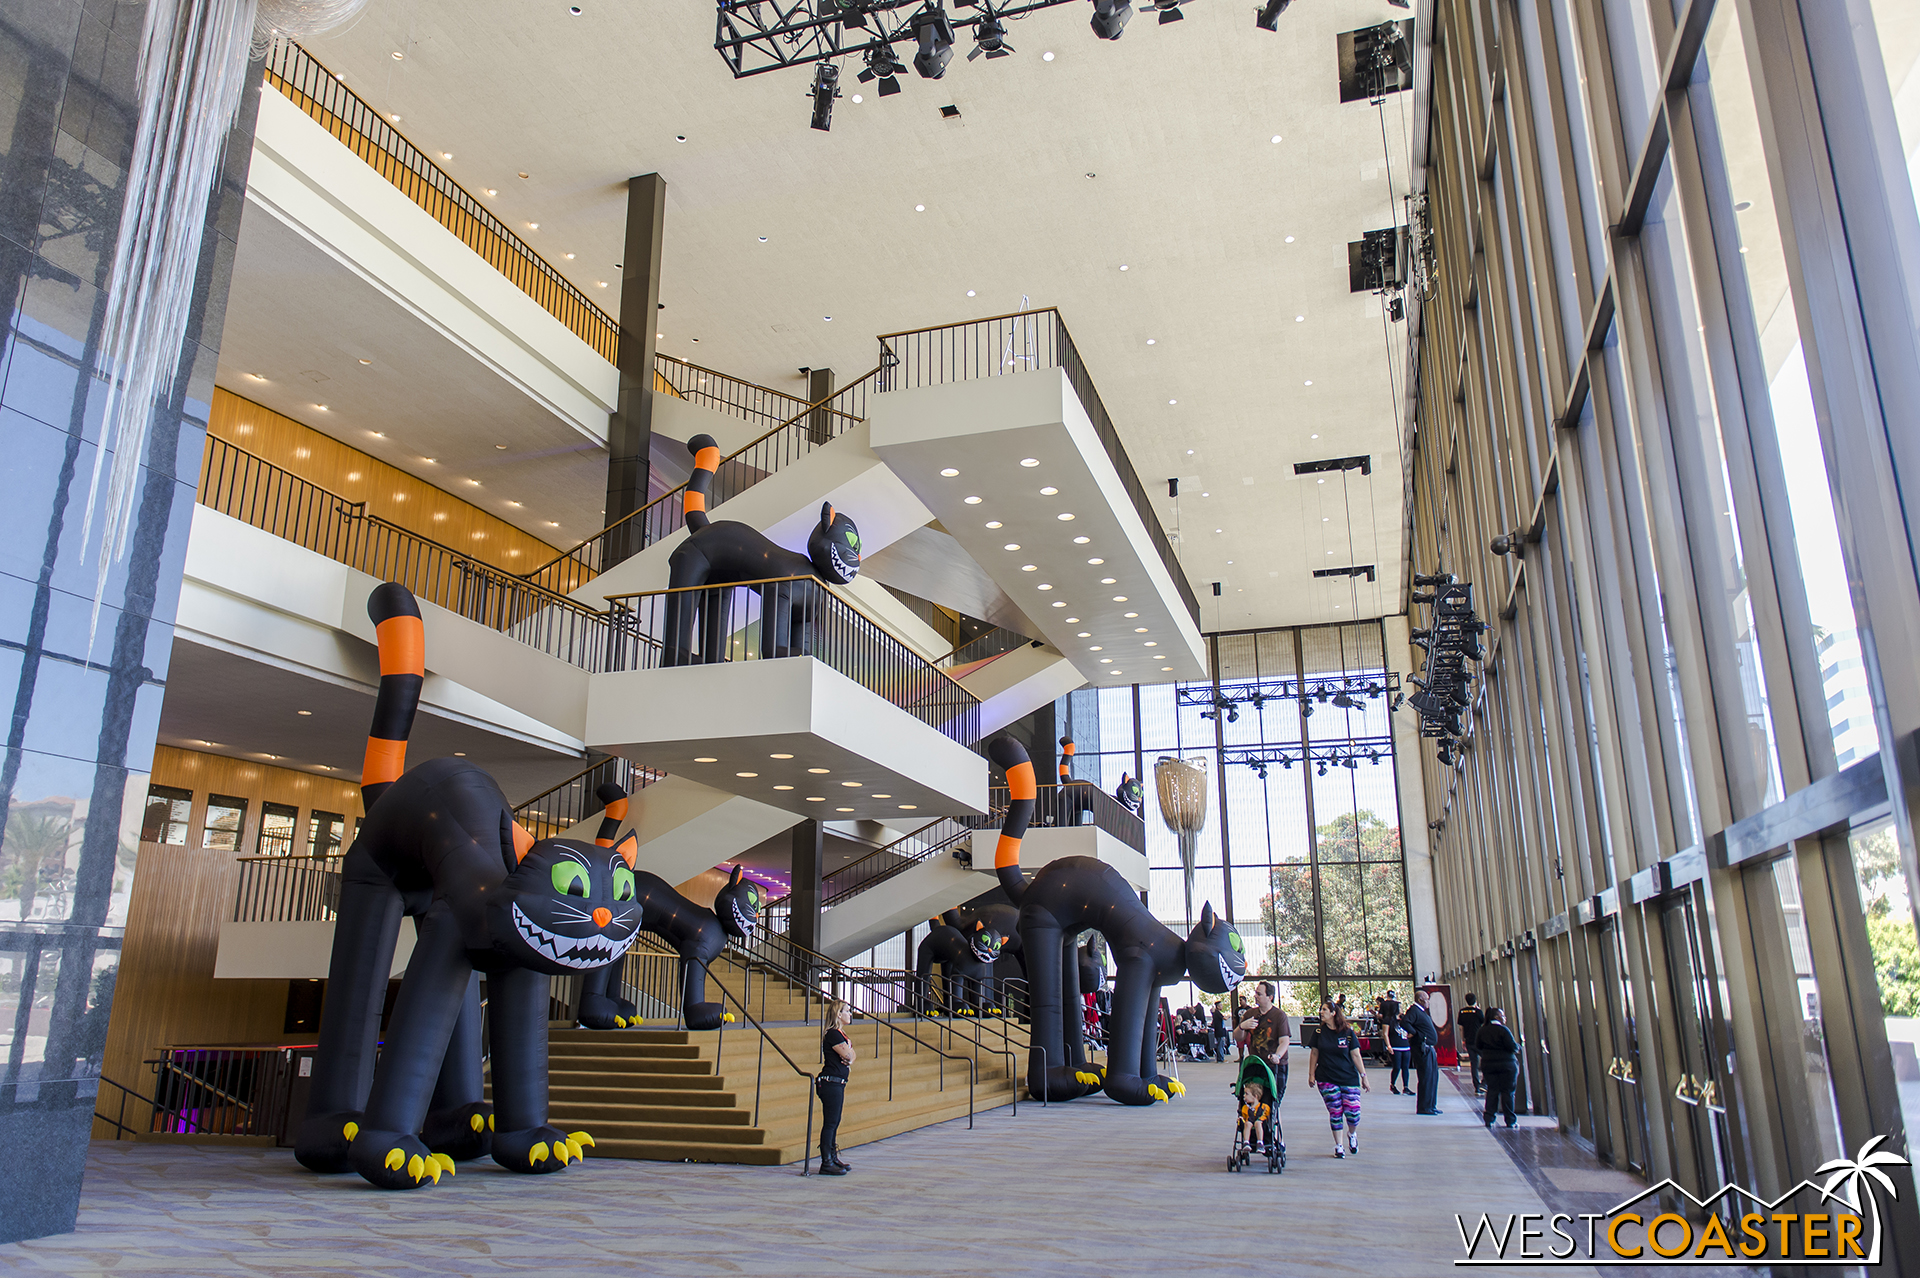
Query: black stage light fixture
[(826, 87), (883, 66), (1269, 19), (934, 30), (1110, 18), (1345, 702), (1169, 10), (990, 38), (853, 13)]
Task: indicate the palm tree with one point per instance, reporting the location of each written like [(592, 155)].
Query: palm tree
[(1850, 1172), (37, 840)]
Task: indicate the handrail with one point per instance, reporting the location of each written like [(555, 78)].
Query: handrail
[(723, 392), (576, 798), (663, 516), (873, 869), (253, 490), (321, 94), (997, 642), (779, 617), (1002, 344)]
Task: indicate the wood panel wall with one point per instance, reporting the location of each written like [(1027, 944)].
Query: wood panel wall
[(257, 783), (390, 493)]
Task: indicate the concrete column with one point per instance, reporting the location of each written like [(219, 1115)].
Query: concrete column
[(819, 386), (1423, 906), (808, 855), (630, 431)]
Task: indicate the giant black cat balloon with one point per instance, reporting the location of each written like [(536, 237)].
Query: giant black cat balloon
[(1069, 896), (440, 845), (727, 552), (966, 955), (696, 933)]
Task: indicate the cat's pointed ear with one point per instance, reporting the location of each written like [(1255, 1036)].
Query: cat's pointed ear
[(826, 514), (628, 849), (515, 842), (733, 880), (1206, 917), (979, 927)]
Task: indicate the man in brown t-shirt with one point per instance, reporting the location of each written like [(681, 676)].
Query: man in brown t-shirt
[(1268, 1034)]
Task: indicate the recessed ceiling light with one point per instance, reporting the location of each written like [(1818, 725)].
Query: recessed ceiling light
[(1096, 562), (377, 434), (1047, 56), (1276, 137), (880, 796), (1139, 630), (1206, 494), (973, 501), (321, 407), (1299, 319), (969, 292), (1313, 437), (1074, 621), (256, 377), (779, 756), (1012, 545), (459, 754), (827, 318), (843, 809), (1086, 634), (1154, 643), (1309, 381), (783, 787), (1123, 266), (323, 767), (1132, 615), (574, 10), (1045, 586), (1173, 401), (1106, 661), (1149, 341), (948, 472), (1119, 598), (303, 712), (533, 226), (492, 191), (1166, 667), (679, 137), (1106, 581), (1029, 461), (819, 772), (1028, 567), (1059, 603), (523, 177), (706, 759), (763, 239), (858, 98), (1096, 648), (993, 523), (746, 774), (1048, 491), (908, 807), (1289, 239), (399, 56), (1064, 516), (603, 284), (852, 785), (816, 798), (553, 523), (1081, 541), (919, 208)]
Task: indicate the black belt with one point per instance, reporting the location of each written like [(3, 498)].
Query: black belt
[(830, 1078)]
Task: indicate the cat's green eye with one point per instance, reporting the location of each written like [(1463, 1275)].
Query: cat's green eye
[(622, 883), (569, 878), (1233, 939)]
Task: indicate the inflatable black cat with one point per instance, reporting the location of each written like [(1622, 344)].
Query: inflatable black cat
[(728, 552), (696, 933), (966, 957), (1072, 895), (440, 845)]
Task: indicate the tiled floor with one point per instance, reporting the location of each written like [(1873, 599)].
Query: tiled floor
[(1088, 1188)]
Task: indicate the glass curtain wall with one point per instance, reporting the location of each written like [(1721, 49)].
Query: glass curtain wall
[(1301, 844), (1666, 370)]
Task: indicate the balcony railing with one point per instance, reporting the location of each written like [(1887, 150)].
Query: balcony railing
[(342, 112), (287, 889), (723, 393), (553, 812), (1020, 343), (255, 491), (995, 643), (786, 617), (796, 436), (928, 843), (1078, 803)]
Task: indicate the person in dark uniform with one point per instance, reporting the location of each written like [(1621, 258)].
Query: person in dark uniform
[(1426, 1056), (1499, 1054), (1402, 1052), (836, 1049), (1468, 1022)]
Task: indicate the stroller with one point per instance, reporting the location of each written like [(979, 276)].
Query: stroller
[(1256, 1073)]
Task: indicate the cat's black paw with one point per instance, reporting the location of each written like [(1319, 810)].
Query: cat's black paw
[(393, 1160), (322, 1141), (539, 1149), (706, 1016), (597, 1011), (461, 1134)]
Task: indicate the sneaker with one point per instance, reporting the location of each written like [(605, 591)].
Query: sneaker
[(1339, 1152), (1353, 1146)]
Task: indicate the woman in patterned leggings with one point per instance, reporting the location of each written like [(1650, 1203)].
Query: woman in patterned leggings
[(1336, 1069)]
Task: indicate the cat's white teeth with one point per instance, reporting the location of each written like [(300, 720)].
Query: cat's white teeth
[(568, 951)]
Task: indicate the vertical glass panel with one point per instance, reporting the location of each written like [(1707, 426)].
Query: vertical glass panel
[(1898, 24), (1805, 1006), (1695, 419), (1896, 955), (1636, 72), (1763, 259)]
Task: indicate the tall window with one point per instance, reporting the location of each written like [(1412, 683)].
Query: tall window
[(277, 824), (167, 813), (1304, 853), (225, 815)]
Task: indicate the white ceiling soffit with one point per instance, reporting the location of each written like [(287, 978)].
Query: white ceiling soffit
[(1234, 244)]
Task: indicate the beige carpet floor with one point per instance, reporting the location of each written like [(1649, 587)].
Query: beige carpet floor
[(1087, 1188)]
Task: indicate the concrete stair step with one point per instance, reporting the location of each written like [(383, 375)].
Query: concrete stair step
[(628, 1080), (604, 1112), (603, 1129), (711, 1100)]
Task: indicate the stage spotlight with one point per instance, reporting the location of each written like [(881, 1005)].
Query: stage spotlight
[(853, 13), (1345, 702), (1110, 18), (1169, 10), (826, 87), (883, 66), (1269, 19), (934, 30), (990, 38)]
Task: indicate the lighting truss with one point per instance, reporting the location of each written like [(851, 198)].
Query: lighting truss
[(1322, 756), (757, 36), (1326, 690)]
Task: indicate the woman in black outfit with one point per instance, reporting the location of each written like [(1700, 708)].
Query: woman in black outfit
[(837, 1051), (1499, 1066)]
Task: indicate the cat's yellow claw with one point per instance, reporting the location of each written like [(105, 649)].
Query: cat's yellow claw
[(1153, 1090), (350, 1131), (445, 1163), (1175, 1086), (619, 1022), (478, 1122), (396, 1159), (489, 1122), (579, 1138), (573, 1148), (538, 1154), (728, 1017), (1091, 1080)]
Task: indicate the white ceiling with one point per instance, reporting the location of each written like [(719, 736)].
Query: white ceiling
[(1188, 192)]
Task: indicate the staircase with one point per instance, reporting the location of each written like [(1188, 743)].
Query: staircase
[(683, 1096)]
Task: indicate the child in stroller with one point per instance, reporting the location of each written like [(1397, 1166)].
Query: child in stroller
[(1258, 1129)]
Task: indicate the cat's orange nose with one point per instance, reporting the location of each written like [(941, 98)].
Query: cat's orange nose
[(602, 916)]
